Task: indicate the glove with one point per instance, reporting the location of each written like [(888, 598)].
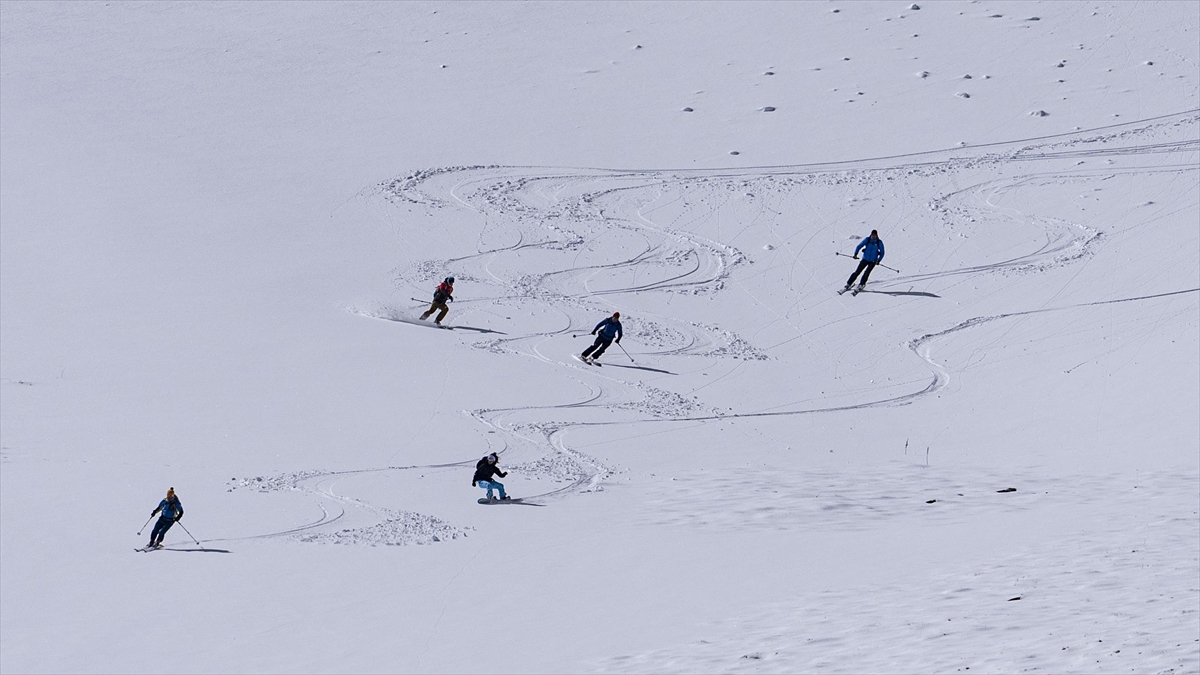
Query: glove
[(593, 332), (855, 256), (154, 512), (504, 474), (178, 518), (618, 340), (473, 484)]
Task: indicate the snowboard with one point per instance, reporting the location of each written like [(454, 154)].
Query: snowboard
[(485, 500)]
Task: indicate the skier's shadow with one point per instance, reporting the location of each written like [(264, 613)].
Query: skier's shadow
[(921, 294), (195, 550), (653, 370)]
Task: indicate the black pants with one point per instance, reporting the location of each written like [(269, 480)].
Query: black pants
[(862, 264), (160, 529), (601, 342)]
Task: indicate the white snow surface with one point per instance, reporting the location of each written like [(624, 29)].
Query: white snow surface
[(216, 217)]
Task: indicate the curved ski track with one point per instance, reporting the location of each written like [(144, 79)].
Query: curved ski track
[(564, 210)]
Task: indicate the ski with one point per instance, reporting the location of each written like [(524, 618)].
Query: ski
[(589, 362), (843, 290), (856, 291)]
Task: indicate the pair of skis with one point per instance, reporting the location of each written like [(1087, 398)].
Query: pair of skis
[(590, 362), (855, 291)]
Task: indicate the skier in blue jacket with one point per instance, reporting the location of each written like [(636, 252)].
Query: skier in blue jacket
[(170, 511), (609, 328), (872, 250)]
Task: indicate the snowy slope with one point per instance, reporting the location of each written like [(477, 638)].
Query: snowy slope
[(215, 219)]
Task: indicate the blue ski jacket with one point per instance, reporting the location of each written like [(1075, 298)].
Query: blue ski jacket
[(872, 249), (609, 329), (170, 508)]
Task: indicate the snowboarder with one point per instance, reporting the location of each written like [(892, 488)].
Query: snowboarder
[(609, 328), (485, 470), (171, 511), (444, 293), (872, 250)]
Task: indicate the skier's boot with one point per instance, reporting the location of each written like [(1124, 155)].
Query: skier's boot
[(505, 498)]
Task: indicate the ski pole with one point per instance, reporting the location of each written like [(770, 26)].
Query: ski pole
[(626, 353), (147, 523), (880, 264), (188, 533)]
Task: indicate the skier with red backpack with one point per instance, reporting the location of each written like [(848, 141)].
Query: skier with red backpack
[(443, 294)]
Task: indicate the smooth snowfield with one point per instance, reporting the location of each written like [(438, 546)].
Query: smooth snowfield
[(218, 223)]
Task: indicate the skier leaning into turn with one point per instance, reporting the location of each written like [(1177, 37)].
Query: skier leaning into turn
[(609, 328), (171, 511), (872, 250), (444, 293), (485, 471)]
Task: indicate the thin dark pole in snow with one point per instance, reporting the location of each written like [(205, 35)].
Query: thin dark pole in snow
[(189, 533), (626, 353), (878, 263), (146, 523)]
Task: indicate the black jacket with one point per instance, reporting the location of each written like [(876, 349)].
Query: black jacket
[(484, 470)]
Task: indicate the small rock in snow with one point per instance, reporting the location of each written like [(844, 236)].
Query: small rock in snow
[(1149, 63), (1034, 18), (845, 58), (768, 108), (835, 11), (1039, 113), (923, 74), (963, 94), (768, 247), (914, 6), (687, 110), (769, 72), (1007, 490), (996, 16), (967, 76), (734, 152)]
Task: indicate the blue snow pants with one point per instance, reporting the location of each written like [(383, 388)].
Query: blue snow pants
[(489, 485), (160, 529)]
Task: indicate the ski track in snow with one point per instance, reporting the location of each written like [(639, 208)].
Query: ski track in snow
[(655, 212)]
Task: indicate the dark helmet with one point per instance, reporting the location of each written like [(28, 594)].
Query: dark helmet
[(616, 315), (449, 280)]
